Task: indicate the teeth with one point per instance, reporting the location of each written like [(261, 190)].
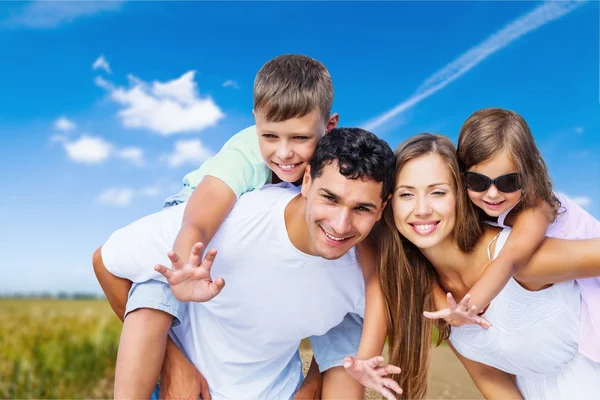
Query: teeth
[(424, 227), (333, 237), (287, 166)]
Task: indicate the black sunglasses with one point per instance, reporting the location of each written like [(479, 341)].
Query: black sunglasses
[(508, 183)]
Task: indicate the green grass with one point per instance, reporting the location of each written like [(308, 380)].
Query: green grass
[(57, 348)]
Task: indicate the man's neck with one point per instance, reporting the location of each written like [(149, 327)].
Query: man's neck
[(295, 224)]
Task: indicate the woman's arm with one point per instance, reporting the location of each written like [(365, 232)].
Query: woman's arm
[(491, 382), (375, 324), (559, 260)]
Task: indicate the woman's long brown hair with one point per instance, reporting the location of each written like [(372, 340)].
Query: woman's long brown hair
[(407, 276)]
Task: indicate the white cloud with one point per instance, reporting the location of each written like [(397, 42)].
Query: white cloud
[(582, 201), (102, 64), (123, 196), (89, 150), (64, 125), (231, 83), (51, 14), (150, 191), (187, 152), (531, 21), (579, 130), (119, 197), (133, 154), (94, 150), (59, 138), (165, 108)]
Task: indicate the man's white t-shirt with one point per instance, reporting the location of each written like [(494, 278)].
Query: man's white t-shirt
[(275, 295)]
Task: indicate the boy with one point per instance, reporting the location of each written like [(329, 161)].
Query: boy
[(293, 95)]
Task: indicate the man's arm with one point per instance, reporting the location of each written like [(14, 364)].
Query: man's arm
[(116, 289), (179, 377)]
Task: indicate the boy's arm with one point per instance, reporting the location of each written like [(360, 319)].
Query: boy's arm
[(527, 234), (491, 382), (205, 211)]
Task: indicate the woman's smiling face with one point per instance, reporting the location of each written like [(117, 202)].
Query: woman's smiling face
[(424, 201)]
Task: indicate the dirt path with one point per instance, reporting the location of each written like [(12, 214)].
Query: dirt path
[(448, 379)]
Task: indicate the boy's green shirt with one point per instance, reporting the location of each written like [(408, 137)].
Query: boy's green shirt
[(238, 164)]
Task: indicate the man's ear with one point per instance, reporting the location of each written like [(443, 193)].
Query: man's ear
[(383, 206), (306, 181), (332, 122)]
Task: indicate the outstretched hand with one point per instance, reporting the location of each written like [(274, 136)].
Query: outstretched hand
[(458, 314), (373, 376), (192, 281)]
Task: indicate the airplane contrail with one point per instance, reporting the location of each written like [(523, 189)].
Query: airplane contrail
[(529, 22)]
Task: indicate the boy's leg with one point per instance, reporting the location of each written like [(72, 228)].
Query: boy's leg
[(151, 311), (141, 353)]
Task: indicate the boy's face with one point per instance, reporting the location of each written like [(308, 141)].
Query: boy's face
[(340, 212), (287, 146)]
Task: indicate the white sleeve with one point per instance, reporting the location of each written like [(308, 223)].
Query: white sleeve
[(132, 251)]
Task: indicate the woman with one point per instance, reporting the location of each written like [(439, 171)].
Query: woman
[(432, 235)]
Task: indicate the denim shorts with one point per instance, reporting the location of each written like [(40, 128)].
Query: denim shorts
[(156, 294)]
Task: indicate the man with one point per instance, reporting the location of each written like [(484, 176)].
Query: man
[(289, 262)]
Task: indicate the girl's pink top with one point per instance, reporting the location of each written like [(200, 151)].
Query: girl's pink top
[(573, 222)]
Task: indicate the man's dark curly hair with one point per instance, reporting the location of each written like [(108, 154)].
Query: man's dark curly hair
[(359, 154)]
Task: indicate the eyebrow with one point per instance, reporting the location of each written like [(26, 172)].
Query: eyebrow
[(291, 134), (337, 198), (430, 186)]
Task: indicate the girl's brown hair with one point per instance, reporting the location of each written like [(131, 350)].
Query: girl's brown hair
[(488, 132), (407, 276)]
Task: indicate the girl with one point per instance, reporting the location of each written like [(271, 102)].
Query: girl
[(432, 233), (507, 179)]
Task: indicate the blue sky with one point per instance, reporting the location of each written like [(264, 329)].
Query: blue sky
[(105, 106)]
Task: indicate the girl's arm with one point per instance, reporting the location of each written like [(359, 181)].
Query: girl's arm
[(491, 382), (528, 232), (559, 260)]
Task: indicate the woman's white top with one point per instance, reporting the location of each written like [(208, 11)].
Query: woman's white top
[(534, 335)]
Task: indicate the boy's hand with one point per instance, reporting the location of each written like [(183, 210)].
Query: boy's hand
[(192, 281), (459, 314), (373, 376)]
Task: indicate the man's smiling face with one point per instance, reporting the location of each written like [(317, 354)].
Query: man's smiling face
[(340, 212)]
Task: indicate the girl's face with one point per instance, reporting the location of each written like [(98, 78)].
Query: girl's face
[(424, 201), (492, 201)]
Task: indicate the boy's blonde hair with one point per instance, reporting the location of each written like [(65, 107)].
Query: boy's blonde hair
[(488, 132), (291, 86)]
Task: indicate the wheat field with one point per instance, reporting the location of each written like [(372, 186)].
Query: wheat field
[(65, 349)]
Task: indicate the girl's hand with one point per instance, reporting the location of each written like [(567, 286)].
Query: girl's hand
[(459, 314), (373, 376)]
